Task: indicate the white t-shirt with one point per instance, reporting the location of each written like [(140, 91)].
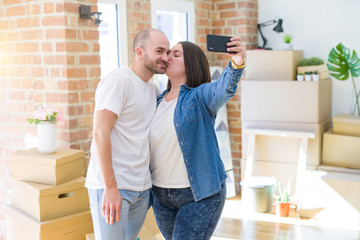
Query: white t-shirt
[(134, 101), (167, 162)]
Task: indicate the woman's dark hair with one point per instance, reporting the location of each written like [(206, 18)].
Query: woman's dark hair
[(196, 65)]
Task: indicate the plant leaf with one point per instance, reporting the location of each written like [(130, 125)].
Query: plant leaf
[(285, 197), (342, 62), (30, 120)]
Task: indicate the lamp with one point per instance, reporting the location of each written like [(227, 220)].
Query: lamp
[(85, 13), (278, 28)]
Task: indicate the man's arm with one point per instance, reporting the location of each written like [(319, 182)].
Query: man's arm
[(104, 122)]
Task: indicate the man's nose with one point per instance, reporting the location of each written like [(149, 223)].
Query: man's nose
[(166, 57)]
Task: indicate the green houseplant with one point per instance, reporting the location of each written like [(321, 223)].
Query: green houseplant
[(311, 62), (287, 42), (343, 64), (287, 38), (315, 76), (308, 76), (300, 77), (282, 204)]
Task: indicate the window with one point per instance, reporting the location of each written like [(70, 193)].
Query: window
[(176, 20), (112, 35)]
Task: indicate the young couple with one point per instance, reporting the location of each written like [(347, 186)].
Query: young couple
[(173, 133)]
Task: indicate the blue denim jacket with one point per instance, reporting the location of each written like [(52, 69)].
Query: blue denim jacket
[(194, 120)]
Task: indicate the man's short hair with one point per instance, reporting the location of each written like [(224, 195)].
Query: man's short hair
[(143, 36)]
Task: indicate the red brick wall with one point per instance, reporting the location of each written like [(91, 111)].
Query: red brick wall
[(234, 18), (47, 55), (139, 17)]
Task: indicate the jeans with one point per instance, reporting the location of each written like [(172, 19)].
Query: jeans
[(132, 215), (180, 217)]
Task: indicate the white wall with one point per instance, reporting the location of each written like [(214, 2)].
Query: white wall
[(317, 26)]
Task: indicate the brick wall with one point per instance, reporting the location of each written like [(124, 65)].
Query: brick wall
[(234, 18), (139, 17), (48, 55)]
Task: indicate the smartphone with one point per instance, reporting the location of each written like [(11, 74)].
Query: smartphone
[(217, 43)]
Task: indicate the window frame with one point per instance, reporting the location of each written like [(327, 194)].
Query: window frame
[(175, 5), (122, 29)]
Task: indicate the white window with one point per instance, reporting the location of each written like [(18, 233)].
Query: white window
[(112, 35), (176, 19)]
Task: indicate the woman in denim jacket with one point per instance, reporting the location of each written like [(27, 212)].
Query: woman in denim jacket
[(188, 175)]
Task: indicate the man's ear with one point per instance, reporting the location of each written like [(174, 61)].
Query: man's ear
[(139, 52)]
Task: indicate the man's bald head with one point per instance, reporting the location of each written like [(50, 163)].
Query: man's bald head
[(143, 36)]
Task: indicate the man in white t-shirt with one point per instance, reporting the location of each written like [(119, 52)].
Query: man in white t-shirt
[(118, 176)]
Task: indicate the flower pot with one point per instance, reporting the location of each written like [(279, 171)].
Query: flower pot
[(287, 46), (257, 193), (307, 77), (300, 78), (46, 133), (282, 209), (315, 77)]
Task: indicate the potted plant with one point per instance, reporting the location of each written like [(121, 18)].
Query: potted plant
[(313, 61), (287, 42), (46, 118), (282, 203), (343, 64), (300, 77), (308, 76), (313, 64), (315, 76)]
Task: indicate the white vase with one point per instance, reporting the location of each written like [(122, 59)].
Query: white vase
[(46, 133), (355, 107), (307, 77), (300, 78)]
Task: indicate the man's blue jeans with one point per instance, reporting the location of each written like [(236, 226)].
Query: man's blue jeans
[(132, 216), (180, 217)]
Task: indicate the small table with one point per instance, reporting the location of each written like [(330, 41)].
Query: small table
[(301, 166)]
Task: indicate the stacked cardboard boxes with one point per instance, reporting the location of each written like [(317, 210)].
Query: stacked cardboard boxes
[(340, 147), (48, 196), (272, 99), (339, 177)]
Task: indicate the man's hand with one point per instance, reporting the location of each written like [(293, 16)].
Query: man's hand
[(111, 205), (104, 122)]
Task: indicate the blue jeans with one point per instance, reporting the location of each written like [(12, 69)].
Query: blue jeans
[(180, 217), (132, 215)]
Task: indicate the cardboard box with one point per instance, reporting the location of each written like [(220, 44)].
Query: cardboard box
[(286, 101), (60, 167), (20, 226), (46, 202), (345, 124), (87, 158), (341, 150), (281, 171), (284, 149), (322, 70), (272, 65)]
